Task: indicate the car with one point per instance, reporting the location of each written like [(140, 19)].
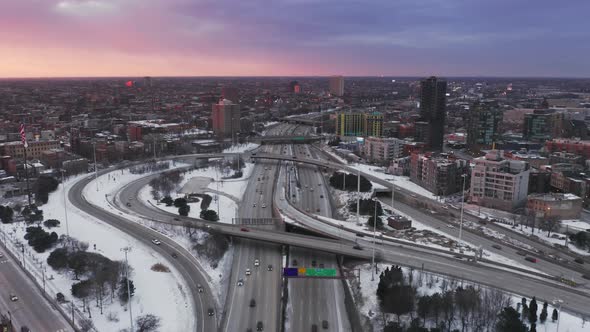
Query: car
[(531, 259), (244, 229), (317, 210), (13, 297), (313, 263), (174, 255), (497, 246), (25, 329), (176, 218), (450, 226), (259, 326), (294, 262), (360, 235), (263, 205), (156, 242), (252, 303), (305, 186), (210, 312), (321, 265), (325, 324), (248, 272), (254, 205), (577, 260), (321, 196), (241, 282), (314, 328), (458, 256), (258, 179), (319, 184), (200, 288), (256, 262), (311, 189), (269, 267), (357, 247)]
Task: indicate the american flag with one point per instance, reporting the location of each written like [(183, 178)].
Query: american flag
[(23, 135)]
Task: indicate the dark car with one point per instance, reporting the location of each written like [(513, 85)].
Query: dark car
[(294, 263), (357, 247), (252, 303), (325, 324), (531, 259), (497, 246), (174, 255), (244, 229), (359, 235), (579, 260), (259, 326), (314, 328), (521, 253), (210, 312)]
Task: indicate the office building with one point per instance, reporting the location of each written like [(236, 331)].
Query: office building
[(359, 124), (337, 86), (499, 183), (542, 125), (433, 111), (440, 174), (483, 124), (35, 150), (225, 119)]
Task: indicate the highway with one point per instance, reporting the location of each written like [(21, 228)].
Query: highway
[(31, 309), (185, 263), (312, 300), (262, 286)]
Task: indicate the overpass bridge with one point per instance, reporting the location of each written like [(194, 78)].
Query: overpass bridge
[(285, 139)]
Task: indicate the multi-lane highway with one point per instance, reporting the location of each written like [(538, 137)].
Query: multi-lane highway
[(254, 300), (312, 300), (184, 262), (30, 308)]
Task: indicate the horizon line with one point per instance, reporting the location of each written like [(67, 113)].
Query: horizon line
[(289, 76)]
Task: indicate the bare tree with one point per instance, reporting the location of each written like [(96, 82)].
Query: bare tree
[(147, 323)]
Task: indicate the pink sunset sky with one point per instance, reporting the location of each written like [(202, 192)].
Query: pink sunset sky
[(56, 38)]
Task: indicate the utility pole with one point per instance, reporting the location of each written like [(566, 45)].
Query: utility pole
[(392, 195), (126, 250), (462, 207)]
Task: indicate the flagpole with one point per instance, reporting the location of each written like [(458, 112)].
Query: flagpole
[(27, 174)]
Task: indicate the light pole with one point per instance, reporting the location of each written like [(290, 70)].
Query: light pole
[(374, 232), (462, 207), (126, 250), (558, 312), (95, 165), (63, 182), (358, 198), (392, 195)]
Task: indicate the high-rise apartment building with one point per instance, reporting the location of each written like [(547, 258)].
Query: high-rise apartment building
[(359, 124), (483, 124), (499, 183), (337, 86), (433, 110), (225, 118), (230, 93)]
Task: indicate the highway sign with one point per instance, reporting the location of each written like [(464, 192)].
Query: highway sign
[(308, 272)]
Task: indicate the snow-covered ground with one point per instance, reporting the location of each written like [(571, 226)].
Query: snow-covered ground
[(331, 152), (542, 235), (576, 225), (399, 181), (428, 284), (170, 301), (241, 147)]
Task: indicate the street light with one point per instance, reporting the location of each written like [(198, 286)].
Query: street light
[(374, 232), (462, 206), (558, 312), (126, 250)]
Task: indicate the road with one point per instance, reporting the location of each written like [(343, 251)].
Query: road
[(31, 309), (185, 263), (312, 300)]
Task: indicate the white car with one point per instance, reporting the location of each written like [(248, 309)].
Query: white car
[(200, 288), (13, 298), (248, 272), (450, 226), (263, 205), (1, 255), (256, 262), (241, 282), (254, 205), (156, 242)]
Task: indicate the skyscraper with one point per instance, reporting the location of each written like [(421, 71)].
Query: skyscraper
[(483, 123), (337, 86), (433, 110), (225, 118)]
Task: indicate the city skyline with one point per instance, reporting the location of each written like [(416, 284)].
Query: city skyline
[(116, 38)]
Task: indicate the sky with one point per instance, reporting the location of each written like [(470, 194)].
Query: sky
[(80, 38)]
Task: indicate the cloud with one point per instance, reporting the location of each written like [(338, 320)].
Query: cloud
[(85, 7)]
